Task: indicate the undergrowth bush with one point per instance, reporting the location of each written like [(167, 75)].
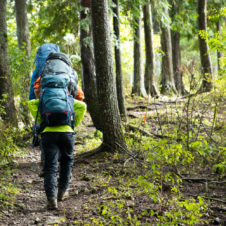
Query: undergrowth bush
[(8, 189), (11, 142)]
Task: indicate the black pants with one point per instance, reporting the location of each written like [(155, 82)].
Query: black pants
[(53, 145)]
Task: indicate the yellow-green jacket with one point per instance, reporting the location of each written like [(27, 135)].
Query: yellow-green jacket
[(79, 108)]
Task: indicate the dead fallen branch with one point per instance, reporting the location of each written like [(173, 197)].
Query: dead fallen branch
[(217, 209), (132, 116), (141, 107), (202, 180), (209, 198), (145, 133)]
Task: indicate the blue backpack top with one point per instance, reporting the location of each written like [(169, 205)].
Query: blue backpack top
[(40, 60)]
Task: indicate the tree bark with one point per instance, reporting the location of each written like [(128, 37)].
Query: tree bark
[(168, 85), (178, 73), (88, 66), (106, 84), (149, 51), (22, 26), (118, 64), (176, 53), (137, 79), (24, 44), (6, 91), (206, 67)]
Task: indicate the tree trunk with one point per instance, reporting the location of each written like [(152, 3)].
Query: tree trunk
[(206, 67), (149, 51), (22, 26), (24, 44), (219, 54), (137, 79), (176, 52), (118, 64), (106, 84), (178, 73), (88, 66), (168, 85), (6, 91)]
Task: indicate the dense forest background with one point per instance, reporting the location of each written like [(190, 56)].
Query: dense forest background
[(153, 74)]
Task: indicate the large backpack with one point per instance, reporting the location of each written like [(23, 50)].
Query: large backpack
[(40, 60), (58, 63), (56, 105)]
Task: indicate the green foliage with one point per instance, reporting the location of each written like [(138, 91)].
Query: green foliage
[(221, 166), (20, 68), (187, 212), (8, 147), (184, 18), (11, 142), (8, 189), (54, 26)]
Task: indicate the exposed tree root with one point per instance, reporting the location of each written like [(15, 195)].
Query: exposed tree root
[(102, 148), (90, 153)]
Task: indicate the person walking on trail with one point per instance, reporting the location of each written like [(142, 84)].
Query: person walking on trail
[(56, 113), (58, 140)]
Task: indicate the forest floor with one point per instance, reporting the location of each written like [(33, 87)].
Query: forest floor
[(102, 181)]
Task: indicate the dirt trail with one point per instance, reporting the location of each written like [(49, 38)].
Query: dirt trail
[(30, 206)]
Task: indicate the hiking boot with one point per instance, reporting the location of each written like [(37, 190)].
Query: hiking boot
[(52, 203), (62, 194)]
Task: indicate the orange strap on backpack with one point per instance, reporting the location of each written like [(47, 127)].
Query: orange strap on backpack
[(80, 94), (37, 87)]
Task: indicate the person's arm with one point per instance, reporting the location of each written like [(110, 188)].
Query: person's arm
[(80, 110), (33, 107)]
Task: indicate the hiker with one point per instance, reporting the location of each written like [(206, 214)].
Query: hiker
[(40, 61), (57, 113), (57, 140)]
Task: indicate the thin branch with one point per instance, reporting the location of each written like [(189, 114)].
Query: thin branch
[(209, 198), (133, 156)]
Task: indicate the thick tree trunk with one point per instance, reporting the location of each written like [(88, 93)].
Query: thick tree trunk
[(106, 84), (149, 51), (219, 54), (88, 67), (206, 67), (168, 85), (178, 73), (137, 79), (6, 91), (118, 64)]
